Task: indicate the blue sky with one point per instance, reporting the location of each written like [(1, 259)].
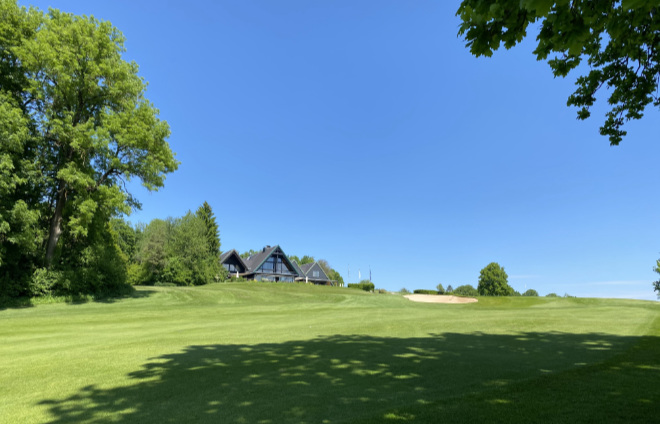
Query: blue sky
[(366, 134)]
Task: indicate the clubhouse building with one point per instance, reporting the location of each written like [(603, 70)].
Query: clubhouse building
[(271, 264)]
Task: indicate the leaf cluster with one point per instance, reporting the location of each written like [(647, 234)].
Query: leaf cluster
[(618, 39)]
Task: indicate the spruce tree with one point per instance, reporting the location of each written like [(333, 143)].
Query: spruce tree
[(212, 233)]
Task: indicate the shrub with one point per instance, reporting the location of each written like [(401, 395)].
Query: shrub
[(365, 285), (404, 291), (531, 292), (551, 295), (382, 291), (441, 290), (235, 279), (424, 291), (466, 290), (43, 282)]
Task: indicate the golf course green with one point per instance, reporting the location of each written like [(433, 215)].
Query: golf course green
[(296, 353)]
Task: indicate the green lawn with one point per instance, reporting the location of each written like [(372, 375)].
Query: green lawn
[(278, 353)]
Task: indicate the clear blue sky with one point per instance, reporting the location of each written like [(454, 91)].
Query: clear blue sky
[(366, 134)]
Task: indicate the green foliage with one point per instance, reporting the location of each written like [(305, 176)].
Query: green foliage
[(212, 232), (307, 260), (152, 252), (381, 291), (404, 291), (249, 253), (493, 281), (75, 126), (618, 39), (551, 295), (656, 284), (176, 251), (531, 292), (465, 290), (450, 289), (365, 285), (440, 288), (424, 291), (335, 276), (126, 236), (44, 282)]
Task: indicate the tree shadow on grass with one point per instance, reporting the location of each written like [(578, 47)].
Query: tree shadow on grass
[(374, 379)]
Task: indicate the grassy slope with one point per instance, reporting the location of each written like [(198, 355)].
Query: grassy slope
[(293, 353)]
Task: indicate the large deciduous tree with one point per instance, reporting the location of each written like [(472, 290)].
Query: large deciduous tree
[(619, 39), (74, 127), (493, 281)]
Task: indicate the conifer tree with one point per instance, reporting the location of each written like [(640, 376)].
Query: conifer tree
[(212, 233)]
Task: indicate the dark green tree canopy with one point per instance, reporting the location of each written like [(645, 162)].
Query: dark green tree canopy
[(493, 281), (618, 39)]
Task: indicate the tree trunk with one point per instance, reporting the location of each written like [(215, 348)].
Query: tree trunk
[(56, 224)]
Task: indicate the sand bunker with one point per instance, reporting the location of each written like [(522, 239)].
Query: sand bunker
[(434, 298)]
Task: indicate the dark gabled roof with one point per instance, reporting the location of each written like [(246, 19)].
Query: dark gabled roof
[(255, 261), (227, 255), (306, 267), (297, 268)]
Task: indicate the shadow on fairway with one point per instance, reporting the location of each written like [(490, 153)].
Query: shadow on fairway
[(444, 377)]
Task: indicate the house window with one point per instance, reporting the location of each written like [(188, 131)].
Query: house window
[(269, 265), (276, 264), (315, 273)]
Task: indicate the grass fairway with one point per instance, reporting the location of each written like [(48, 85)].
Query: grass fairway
[(288, 353)]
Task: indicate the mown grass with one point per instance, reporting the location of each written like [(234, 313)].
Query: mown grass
[(271, 353)]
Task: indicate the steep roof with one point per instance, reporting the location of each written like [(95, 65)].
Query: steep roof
[(231, 253), (297, 268), (255, 261), (306, 267)]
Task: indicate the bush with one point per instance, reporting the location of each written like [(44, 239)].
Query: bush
[(531, 292), (404, 291), (365, 285), (44, 282), (450, 289), (235, 279), (382, 291), (424, 291), (441, 290), (551, 295), (465, 290)]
